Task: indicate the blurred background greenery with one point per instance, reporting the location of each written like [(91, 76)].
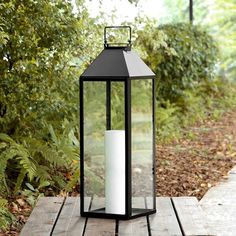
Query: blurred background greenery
[(44, 47)]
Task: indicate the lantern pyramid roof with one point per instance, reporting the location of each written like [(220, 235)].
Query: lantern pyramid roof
[(118, 63)]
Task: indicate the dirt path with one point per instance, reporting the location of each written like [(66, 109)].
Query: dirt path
[(194, 164)]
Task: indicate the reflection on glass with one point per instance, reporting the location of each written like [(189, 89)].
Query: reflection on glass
[(142, 142), (117, 106), (94, 127)]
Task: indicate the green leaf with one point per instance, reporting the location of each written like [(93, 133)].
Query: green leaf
[(30, 187)]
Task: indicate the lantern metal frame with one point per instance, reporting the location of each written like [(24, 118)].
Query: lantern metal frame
[(130, 212)]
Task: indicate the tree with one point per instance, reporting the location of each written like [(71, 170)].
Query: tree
[(178, 11), (37, 80), (219, 18), (44, 46), (224, 28)]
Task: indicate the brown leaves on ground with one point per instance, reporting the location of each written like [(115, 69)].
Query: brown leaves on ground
[(198, 161), (21, 210)]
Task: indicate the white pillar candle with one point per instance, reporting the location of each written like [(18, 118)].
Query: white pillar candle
[(115, 171)]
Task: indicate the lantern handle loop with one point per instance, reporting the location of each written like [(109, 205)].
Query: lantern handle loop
[(106, 43)]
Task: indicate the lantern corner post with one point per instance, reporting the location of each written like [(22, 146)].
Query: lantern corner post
[(128, 176), (154, 139), (108, 105), (81, 116)]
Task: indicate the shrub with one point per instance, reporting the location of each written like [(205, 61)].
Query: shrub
[(195, 59), (184, 56), (181, 55)]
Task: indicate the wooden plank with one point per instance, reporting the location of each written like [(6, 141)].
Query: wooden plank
[(47, 210), (137, 227), (191, 216), (223, 193), (221, 219), (164, 222), (70, 222), (219, 205), (43, 217), (99, 227)]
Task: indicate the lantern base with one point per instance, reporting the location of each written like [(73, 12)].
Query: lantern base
[(101, 213)]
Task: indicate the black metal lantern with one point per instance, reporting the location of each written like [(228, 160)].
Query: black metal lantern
[(117, 134)]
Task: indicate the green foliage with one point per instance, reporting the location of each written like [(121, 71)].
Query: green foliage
[(167, 122), (196, 55), (6, 218), (32, 194), (192, 106), (223, 28), (67, 146), (43, 49), (37, 161), (184, 56), (37, 79), (73, 182), (152, 43), (180, 54), (209, 100), (11, 150), (178, 11)]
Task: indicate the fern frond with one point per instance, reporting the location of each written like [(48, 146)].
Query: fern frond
[(59, 180), (7, 154), (3, 145), (3, 203), (6, 217), (73, 138), (43, 173), (18, 152), (19, 180), (66, 144), (69, 153), (28, 164), (48, 153), (73, 181), (6, 138), (52, 133)]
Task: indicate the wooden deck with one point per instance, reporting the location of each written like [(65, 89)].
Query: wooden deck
[(55, 216)]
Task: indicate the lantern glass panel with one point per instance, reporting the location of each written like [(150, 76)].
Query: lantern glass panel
[(94, 126), (104, 146), (142, 143)]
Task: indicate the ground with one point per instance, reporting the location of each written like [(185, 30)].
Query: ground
[(187, 167), (192, 165)]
